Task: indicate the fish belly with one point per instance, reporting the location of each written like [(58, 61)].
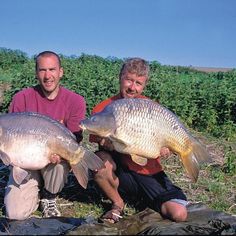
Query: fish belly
[(29, 155)]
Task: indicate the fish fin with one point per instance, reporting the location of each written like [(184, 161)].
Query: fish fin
[(89, 161), (193, 159), (142, 161), (81, 174), (19, 174), (5, 158)]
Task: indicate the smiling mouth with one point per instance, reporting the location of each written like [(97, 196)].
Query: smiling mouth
[(130, 94), (48, 83)]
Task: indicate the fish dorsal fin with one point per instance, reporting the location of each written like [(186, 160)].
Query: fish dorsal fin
[(19, 174), (142, 161)]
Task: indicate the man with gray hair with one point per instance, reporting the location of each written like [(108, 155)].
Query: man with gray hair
[(121, 178)]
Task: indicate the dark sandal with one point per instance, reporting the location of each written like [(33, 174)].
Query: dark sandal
[(113, 215)]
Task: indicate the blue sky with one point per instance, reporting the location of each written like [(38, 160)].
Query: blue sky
[(172, 32)]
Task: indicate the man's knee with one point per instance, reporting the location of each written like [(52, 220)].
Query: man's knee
[(14, 214), (107, 159), (107, 171), (19, 207), (180, 215), (174, 211)]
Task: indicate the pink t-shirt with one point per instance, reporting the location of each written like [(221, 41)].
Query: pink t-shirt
[(68, 107)]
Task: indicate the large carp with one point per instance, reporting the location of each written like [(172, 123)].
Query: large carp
[(141, 127), (28, 139)]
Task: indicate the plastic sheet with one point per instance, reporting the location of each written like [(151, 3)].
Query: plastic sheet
[(201, 221), (39, 226)]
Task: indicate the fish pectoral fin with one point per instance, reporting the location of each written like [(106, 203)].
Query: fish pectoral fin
[(142, 161), (19, 174), (5, 158)]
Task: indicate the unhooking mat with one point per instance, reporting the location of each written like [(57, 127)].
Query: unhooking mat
[(39, 226), (201, 221)]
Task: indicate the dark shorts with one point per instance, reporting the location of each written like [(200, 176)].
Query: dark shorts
[(153, 190)]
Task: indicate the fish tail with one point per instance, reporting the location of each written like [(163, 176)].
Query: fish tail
[(194, 158), (88, 161)]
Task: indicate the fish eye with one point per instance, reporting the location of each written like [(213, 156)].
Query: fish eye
[(93, 118)]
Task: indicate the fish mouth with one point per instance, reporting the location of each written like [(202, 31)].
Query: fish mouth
[(90, 131), (82, 126)]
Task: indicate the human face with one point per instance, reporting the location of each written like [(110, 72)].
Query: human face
[(49, 74), (132, 85)]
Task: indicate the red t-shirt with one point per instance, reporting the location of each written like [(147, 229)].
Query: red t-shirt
[(153, 166), (68, 107)]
